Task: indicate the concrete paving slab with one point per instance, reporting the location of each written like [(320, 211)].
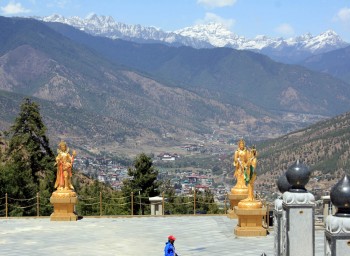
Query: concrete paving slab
[(196, 235)]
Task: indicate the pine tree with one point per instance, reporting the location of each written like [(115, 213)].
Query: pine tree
[(29, 161), (143, 182)]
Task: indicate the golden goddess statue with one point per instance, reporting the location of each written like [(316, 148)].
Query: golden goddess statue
[(250, 174), (64, 162), (249, 178), (240, 162)]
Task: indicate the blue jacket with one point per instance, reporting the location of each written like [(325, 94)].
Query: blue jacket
[(169, 249)]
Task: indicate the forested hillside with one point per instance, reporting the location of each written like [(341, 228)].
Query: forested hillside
[(323, 147)]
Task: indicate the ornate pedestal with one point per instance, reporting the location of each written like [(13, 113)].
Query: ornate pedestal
[(236, 195), (337, 236), (250, 221), (298, 231), (63, 202)]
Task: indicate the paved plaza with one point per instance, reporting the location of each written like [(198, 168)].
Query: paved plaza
[(122, 236)]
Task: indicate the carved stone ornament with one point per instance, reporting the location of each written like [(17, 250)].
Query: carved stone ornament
[(278, 205), (298, 198), (336, 225)]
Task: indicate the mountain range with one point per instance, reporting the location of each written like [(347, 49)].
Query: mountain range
[(210, 35), (335, 63), (234, 77), (91, 101), (104, 94)]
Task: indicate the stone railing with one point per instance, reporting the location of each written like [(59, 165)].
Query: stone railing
[(294, 217)]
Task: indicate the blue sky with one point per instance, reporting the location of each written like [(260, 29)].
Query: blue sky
[(249, 18)]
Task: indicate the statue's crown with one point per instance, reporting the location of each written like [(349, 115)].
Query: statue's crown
[(62, 143)]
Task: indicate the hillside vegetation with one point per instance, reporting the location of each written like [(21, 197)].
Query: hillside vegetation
[(323, 147)]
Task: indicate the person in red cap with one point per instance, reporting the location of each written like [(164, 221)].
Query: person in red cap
[(169, 249)]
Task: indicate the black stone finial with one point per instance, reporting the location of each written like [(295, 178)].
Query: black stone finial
[(283, 184), (298, 176), (340, 197)]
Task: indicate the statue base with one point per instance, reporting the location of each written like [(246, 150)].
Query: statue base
[(239, 191), (234, 200), (249, 204), (250, 222), (63, 202)]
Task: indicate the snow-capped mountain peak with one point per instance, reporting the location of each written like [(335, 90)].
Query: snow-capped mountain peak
[(210, 28), (214, 33), (326, 41), (205, 35), (100, 21)]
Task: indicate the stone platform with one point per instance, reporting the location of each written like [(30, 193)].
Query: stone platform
[(128, 236)]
